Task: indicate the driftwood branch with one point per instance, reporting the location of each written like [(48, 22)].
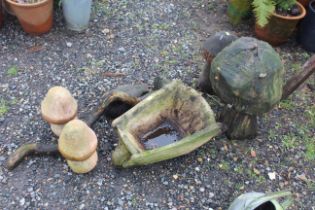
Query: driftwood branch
[(295, 81), (30, 149), (113, 105)]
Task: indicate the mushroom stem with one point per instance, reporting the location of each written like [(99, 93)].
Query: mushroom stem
[(295, 81), (239, 125), (28, 149), (56, 129)]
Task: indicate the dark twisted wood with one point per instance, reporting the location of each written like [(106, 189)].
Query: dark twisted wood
[(295, 81)]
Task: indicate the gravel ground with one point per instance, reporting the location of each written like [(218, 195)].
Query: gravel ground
[(143, 39)]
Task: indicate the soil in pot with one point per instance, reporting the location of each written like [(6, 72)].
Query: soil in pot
[(35, 18), (306, 32), (280, 27)]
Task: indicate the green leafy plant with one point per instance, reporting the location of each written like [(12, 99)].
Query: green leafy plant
[(263, 9), (3, 107), (285, 4), (310, 149), (310, 114), (12, 71)]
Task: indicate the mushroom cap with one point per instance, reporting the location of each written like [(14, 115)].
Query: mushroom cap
[(84, 166), (58, 106), (248, 74), (215, 43), (77, 141)]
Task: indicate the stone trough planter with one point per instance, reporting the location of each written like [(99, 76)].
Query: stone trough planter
[(171, 122)]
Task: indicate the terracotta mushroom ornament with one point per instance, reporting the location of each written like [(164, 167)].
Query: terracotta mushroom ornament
[(77, 144), (58, 108)]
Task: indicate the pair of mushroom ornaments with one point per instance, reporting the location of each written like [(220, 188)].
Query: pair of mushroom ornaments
[(77, 141)]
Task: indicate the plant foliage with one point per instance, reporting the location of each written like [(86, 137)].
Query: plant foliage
[(263, 9), (285, 4)]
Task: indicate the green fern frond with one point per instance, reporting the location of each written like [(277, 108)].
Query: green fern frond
[(285, 4), (263, 9)]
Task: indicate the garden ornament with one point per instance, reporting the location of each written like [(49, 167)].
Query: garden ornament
[(77, 141), (58, 107), (247, 76), (77, 144), (174, 108), (260, 201)]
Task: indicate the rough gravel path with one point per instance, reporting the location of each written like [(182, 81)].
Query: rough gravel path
[(141, 39)]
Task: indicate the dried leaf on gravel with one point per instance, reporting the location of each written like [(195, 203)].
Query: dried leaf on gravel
[(302, 177), (35, 48), (114, 74), (253, 153)]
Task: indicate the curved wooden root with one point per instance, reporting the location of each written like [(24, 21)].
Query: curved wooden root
[(295, 81), (30, 149)]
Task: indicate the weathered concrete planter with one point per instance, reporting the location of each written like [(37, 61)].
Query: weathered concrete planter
[(181, 106)]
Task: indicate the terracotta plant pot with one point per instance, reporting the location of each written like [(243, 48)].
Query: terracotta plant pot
[(304, 2), (34, 18), (306, 32), (279, 28)]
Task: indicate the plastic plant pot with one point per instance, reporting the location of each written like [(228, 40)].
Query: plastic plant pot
[(35, 18), (77, 14), (306, 32), (181, 106)]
